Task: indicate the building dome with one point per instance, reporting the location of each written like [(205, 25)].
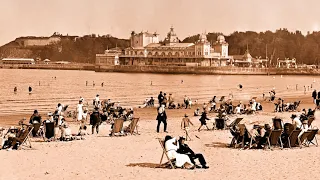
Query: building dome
[(221, 39)]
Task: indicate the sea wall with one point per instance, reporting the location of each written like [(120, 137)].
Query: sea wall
[(88, 67), (206, 70)]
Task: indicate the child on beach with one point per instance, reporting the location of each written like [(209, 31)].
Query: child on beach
[(185, 125)]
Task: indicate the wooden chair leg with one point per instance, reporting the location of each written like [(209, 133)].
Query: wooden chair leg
[(268, 140), (161, 158), (281, 144)]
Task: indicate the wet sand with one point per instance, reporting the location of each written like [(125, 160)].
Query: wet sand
[(136, 156)]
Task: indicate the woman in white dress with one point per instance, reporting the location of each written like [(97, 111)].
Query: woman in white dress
[(79, 111), (182, 160)]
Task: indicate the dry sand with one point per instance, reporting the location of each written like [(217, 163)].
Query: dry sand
[(135, 156)]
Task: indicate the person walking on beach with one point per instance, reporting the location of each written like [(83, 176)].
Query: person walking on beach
[(185, 125), (162, 117), (102, 84), (86, 83), (160, 98), (203, 119), (93, 84), (15, 89)]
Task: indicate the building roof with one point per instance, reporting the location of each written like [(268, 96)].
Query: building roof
[(152, 45), (17, 59), (179, 45)]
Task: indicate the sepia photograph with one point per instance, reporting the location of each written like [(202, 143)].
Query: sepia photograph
[(159, 89)]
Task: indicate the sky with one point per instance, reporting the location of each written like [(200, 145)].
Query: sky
[(119, 17)]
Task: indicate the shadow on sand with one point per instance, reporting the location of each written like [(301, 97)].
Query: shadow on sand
[(148, 165), (218, 145)]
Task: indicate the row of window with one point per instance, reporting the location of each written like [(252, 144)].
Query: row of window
[(165, 53)]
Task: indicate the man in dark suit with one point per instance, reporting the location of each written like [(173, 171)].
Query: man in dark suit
[(185, 149), (95, 120)]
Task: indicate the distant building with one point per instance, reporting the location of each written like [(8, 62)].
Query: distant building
[(31, 41), (17, 61), (286, 63), (146, 49)]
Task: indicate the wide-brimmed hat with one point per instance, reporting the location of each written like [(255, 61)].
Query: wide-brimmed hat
[(185, 115), (293, 116), (35, 111)]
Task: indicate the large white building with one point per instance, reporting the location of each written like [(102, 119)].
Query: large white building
[(146, 49)]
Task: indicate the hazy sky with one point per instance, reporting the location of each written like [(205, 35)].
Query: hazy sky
[(120, 17)]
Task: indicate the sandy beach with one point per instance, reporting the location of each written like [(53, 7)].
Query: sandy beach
[(137, 156)]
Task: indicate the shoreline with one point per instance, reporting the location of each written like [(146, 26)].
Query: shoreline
[(200, 70)]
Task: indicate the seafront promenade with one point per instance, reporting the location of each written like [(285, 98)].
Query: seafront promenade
[(226, 70)]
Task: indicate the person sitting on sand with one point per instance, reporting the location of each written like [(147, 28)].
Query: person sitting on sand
[(35, 117), (185, 125), (65, 132), (182, 160), (203, 119), (185, 149), (197, 112)]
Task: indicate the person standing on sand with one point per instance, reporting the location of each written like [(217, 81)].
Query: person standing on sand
[(30, 89), (15, 89), (160, 98), (185, 125), (95, 120), (162, 117), (79, 111), (314, 96)]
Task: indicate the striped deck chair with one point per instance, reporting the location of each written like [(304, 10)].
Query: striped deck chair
[(277, 123), (274, 138), (164, 152), (117, 126)]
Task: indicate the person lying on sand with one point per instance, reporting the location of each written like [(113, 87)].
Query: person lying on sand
[(185, 149)]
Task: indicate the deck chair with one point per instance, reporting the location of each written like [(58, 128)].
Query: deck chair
[(293, 138), (24, 138), (310, 120), (36, 128), (49, 130), (133, 126), (304, 136), (222, 98), (117, 126), (235, 122), (239, 136), (164, 152), (220, 123), (312, 139), (277, 123), (274, 138), (252, 138)]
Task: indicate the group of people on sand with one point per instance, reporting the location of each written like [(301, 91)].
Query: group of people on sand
[(183, 154)]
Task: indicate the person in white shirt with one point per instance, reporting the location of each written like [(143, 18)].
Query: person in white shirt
[(304, 127), (79, 111), (182, 160), (238, 109), (296, 121)]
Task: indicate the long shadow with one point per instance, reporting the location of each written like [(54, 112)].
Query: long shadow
[(218, 145), (148, 165)]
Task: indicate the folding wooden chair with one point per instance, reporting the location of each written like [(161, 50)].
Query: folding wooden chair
[(36, 128), (235, 122), (220, 123), (310, 120), (24, 138), (252, 138), (222, 99), (117, 126), (274, 138), (164, 152), (277, 123), (49, 130), (304, 136), (312, 139), (133, 126), (293, 138)]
